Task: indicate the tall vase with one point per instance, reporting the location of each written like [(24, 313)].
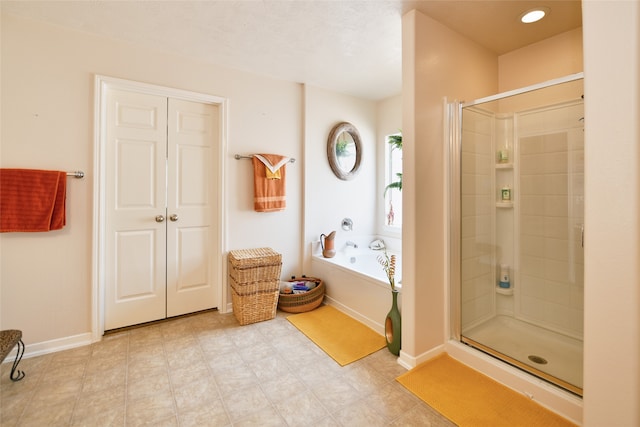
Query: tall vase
[(392, 324)]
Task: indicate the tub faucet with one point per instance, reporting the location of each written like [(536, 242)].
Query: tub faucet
[(377, 245), (350, 243)]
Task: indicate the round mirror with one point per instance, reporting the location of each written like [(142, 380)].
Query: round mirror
[(344, 150)]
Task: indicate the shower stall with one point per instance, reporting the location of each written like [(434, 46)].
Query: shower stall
[(517, 206)]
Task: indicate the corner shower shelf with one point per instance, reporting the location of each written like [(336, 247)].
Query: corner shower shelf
[(504, 165), (504, 291), (504, 204)]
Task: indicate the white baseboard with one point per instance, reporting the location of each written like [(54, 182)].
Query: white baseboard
[(410, 362), (378, 327), (53, 346)]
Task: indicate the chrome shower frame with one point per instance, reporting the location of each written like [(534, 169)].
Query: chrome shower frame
[(453, 128)]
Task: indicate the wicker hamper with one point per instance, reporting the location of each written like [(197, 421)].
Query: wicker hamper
[(307, 301), (254, 278)]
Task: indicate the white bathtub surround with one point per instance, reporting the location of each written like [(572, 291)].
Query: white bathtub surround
[(355, 281)]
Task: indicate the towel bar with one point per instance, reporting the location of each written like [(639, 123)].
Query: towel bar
[(76, 174), (238, 157)]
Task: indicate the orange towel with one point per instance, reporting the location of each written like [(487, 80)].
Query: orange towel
[(269, 183), (32, 200)]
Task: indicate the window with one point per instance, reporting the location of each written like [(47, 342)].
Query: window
[(393, 181)]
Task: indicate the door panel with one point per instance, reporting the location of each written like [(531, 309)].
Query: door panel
[(192, 140), (135, 195), (192, 265), (137, 280)]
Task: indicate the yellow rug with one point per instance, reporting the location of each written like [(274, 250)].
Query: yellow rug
[(339, 335), (469, 398)]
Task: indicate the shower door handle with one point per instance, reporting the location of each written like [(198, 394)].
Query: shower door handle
[(582, 235)]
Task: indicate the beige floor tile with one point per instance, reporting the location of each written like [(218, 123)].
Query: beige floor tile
[(392, 400), (54, 414), (12, 406), (199, 393), (365, 379), (157, 382), (360, 414), (247, 401), (269, 368), (140, 371), (326, 422), (335, 394), (284, 387), (423, 416), (207, 370), (150, 409), (267, 417), (93, 405), (210, 415), (260, 350), (212, 345), (299, 409), (184, 376), (224, 362), (236, 378), (113, 378), (105, 418)]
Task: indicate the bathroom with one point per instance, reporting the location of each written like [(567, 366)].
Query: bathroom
[(65, 263)]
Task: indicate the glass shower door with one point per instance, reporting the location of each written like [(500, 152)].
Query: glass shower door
[(521, 230)]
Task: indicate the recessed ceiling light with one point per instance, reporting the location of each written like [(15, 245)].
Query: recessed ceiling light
[(534, 15)]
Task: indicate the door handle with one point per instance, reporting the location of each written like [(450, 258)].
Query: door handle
[(174, 217), (159, 218)]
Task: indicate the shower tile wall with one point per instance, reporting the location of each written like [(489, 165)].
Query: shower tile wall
[(477, 204), (551, 218)]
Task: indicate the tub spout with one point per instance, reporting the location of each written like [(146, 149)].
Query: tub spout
[(350, 243), (377, 245)]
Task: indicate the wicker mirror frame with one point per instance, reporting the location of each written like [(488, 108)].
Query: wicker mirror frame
[(332, 150)]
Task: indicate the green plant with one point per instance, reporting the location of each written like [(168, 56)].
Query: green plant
[(396, 144), (342, 143)]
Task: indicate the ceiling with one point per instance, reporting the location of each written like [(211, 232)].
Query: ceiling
[(349, 46)]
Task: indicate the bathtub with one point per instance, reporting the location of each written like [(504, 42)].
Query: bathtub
[(355, 281)]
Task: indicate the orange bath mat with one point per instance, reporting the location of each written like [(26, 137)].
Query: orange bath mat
[(469, 398), (339, 335)]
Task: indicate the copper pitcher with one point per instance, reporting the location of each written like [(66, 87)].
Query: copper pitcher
[(328, 244)]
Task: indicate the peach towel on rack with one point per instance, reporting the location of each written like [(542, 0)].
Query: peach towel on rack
[(32, 200), (269, 182)]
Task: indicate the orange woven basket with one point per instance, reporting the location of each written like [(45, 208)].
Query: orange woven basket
[(303, 302)]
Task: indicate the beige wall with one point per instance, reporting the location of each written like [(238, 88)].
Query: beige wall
[(548, 59), (47, 122), (329, 199), (437, 63), (612, 223)]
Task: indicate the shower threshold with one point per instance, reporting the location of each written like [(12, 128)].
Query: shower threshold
[(551, 356)]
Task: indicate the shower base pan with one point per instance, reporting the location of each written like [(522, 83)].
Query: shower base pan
[(549, 355)]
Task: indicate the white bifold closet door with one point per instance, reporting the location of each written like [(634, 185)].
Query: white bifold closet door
[(159, 205)]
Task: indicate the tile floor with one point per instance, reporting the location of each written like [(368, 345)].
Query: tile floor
[(206, 370)]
